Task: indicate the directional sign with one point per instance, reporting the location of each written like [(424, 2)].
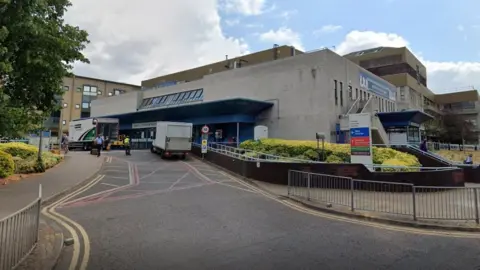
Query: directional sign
[(205, 129)]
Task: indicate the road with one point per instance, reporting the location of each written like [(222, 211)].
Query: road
[(188, 215)]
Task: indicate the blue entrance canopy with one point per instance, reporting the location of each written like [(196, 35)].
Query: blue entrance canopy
[(229, 110), (403, 119)]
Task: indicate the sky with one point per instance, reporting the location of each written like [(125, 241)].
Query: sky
[(134, 41)]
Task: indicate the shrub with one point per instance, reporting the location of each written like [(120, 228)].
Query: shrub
[(30, 165), (17, 149), (334, 159), (397, 162), (340, 152), (7, 166)]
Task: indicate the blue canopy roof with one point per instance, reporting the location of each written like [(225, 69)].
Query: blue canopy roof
[(204, 110), (403, 119)]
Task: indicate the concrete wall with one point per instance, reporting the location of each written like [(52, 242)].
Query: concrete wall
[(301, 87), (125, 103)]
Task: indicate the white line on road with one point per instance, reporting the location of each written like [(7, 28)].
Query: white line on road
[(178, 180), (108, 184), (117, 177), (151, 173)]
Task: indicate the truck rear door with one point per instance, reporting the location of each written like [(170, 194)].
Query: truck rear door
[(179, 137)]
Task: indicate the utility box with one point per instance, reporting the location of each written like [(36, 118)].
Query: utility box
[(260, 132)]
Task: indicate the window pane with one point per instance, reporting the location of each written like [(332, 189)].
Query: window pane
[(66, 88), (182, 96), (93, 89), (85, 105), (199, 93), (86, 88)]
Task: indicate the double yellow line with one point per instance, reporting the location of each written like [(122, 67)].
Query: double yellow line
[(72, 226)]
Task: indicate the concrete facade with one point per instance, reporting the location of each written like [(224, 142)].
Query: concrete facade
[(309, 91)]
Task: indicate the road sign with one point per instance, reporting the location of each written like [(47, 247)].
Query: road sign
[(205, 129), (204, 146)]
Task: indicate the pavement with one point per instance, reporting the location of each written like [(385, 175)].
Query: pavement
[(148, 213), (76, 167)]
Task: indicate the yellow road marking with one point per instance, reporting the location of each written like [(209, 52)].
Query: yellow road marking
[(354, 221), (63, 220)]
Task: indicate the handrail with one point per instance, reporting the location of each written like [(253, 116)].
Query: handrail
[(381, 130), (432, 155), (354, 105), (259, 156)]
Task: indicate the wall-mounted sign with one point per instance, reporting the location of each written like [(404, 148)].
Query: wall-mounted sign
[(144, 125), (376, 86), (360, 138)]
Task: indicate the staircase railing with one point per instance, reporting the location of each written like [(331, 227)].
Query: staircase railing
[(354, 107), (377, 124), (431, 155)]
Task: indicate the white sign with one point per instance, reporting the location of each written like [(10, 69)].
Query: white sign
[(204, 146), (205, 129), (360, 139), (144, 125)]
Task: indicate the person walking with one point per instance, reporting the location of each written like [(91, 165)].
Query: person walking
[(99, 144), (126, 144)]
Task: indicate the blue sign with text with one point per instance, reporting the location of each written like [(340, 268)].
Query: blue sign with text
[(376, 86), (359, 132)]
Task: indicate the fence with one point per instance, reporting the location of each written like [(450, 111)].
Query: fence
[(19, 234), (440, 203)]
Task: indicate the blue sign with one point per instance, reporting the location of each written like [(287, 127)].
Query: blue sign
[(377, 87), (359, 132)]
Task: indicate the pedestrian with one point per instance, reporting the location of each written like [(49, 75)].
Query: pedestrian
[(126, 144), (469, 160), (99, 144), (423, 145)]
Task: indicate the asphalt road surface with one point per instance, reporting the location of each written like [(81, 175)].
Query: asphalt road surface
[(188, 215)]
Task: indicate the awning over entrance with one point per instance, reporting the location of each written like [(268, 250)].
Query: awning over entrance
[(220, 111), (403, 119)]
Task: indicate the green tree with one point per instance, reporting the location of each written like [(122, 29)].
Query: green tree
[(37, 50)]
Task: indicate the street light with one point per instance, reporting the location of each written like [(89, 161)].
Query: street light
[(320, 136)]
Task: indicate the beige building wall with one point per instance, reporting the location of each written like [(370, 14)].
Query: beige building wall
[(73, 101)]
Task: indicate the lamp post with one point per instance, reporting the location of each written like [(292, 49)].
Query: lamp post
[(320, 136)]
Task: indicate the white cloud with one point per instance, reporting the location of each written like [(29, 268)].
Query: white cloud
[(442, 76), (232, 22), (288, 14), (245, 7), (134, 42), (283, 36), (327, 29)]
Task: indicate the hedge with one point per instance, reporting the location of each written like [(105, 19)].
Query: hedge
[(335, 153), (22, 158), (7, 166)]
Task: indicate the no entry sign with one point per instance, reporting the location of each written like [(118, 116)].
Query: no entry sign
[(205, 129)]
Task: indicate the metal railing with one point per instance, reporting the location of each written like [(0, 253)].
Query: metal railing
[(251, 155), (418, 202), (19, 234)]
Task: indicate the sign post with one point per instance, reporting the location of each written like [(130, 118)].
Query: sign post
[(205, 131), (360, 139)]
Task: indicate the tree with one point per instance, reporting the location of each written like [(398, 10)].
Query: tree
[(37, 50), (455, 129)]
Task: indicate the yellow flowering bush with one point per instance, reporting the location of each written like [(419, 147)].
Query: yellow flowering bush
[(396, 166), (335, 153), (7, 166), (18, 149)]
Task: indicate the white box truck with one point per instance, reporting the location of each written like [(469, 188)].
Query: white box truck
[(82, 132), (172, 139)]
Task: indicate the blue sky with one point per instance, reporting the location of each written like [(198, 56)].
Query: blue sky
[(451, 31)]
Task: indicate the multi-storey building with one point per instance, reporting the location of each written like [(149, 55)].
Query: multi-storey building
[(401, 68), (79, 92)]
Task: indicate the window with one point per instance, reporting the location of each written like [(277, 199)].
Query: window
[(85, 105), (77, 106), (199, 94), (118, 92), (110, 94), (187, 95), (336, 94), (84, 114), (66, 88), (350, 94), (64, 122), (356, 93), (65, 105), (182, 96), (341, 94)]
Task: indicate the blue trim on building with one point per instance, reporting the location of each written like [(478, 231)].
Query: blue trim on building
[(403, 119)]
